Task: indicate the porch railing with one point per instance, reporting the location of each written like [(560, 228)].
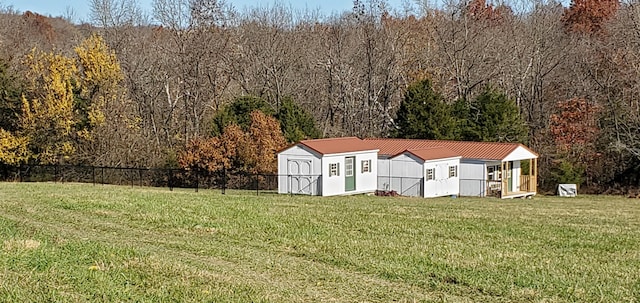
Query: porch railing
[(494, 188), (528, 183)]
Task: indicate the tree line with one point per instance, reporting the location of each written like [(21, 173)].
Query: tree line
[(170, 86)]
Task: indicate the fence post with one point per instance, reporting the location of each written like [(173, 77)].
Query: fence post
[(197, 178), (170, 175), (224, 180), (93, 174), (257, 185), (140, 175), (55, 173), (102, 175)]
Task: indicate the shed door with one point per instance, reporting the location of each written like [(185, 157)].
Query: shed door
[(349, 174), (299, 172)]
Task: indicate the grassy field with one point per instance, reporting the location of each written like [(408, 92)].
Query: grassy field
[(73, 243)]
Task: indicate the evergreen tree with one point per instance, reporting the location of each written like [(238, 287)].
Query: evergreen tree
[(464, 131), (494, 117), (10, 102), (296, 123), (239, 112), (423, 114)]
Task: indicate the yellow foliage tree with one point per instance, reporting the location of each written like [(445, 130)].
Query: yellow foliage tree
[(106, 114), (100, 78), (48, 119), (13, 150), (75, 105)]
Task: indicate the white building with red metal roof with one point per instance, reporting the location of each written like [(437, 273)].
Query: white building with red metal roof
[(328, 167), (507, 170), (426, 168), (424, 172)]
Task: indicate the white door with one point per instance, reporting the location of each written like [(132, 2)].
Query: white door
[(300, 178)]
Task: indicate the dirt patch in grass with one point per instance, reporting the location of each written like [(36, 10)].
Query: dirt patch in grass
[(15, 244)]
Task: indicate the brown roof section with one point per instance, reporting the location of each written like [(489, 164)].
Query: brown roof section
[(339, 145), (466, 149), (434, 153)]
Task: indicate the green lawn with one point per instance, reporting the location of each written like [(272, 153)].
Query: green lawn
[(79, 243)]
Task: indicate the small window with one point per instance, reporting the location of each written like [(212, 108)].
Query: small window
[(334, 169), (366, 166), (431, 174), (493, 173), (348, 166), (453, 171)]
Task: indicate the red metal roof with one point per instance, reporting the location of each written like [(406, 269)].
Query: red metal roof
[(339, 145), (466, 149), (426, 154)]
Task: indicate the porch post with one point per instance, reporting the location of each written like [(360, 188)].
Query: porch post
[(504, 180), (532, 178), (534, 175)]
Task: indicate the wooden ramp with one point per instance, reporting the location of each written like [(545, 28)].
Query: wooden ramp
[(519, 194)]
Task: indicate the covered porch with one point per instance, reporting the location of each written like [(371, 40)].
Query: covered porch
[(514, 179)]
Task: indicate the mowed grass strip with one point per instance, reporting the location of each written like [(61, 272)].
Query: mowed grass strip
[(78, 243)]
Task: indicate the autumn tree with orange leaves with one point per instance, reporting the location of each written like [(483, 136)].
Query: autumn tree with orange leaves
[(480, 10), (574, 129), (589, 16), (225, 151), (265, 139), (253, 151)]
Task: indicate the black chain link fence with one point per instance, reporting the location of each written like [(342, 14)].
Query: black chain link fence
[(143, 177)]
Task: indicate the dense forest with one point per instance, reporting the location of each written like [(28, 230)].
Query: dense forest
[(198, 83)]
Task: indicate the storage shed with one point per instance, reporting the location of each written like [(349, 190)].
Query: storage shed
[(427, 172), (506, 170), (328, 167)]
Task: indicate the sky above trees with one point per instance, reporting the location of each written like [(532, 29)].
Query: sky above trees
[(81, 7)]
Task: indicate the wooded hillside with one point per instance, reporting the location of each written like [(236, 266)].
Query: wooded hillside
[(137, 88)]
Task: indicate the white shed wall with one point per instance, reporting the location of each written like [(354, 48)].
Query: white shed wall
[(443, 185), (406, 166), (473, 178), (384, 173), (306, 182), (407, 175), (332, 185), (365, 182)]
